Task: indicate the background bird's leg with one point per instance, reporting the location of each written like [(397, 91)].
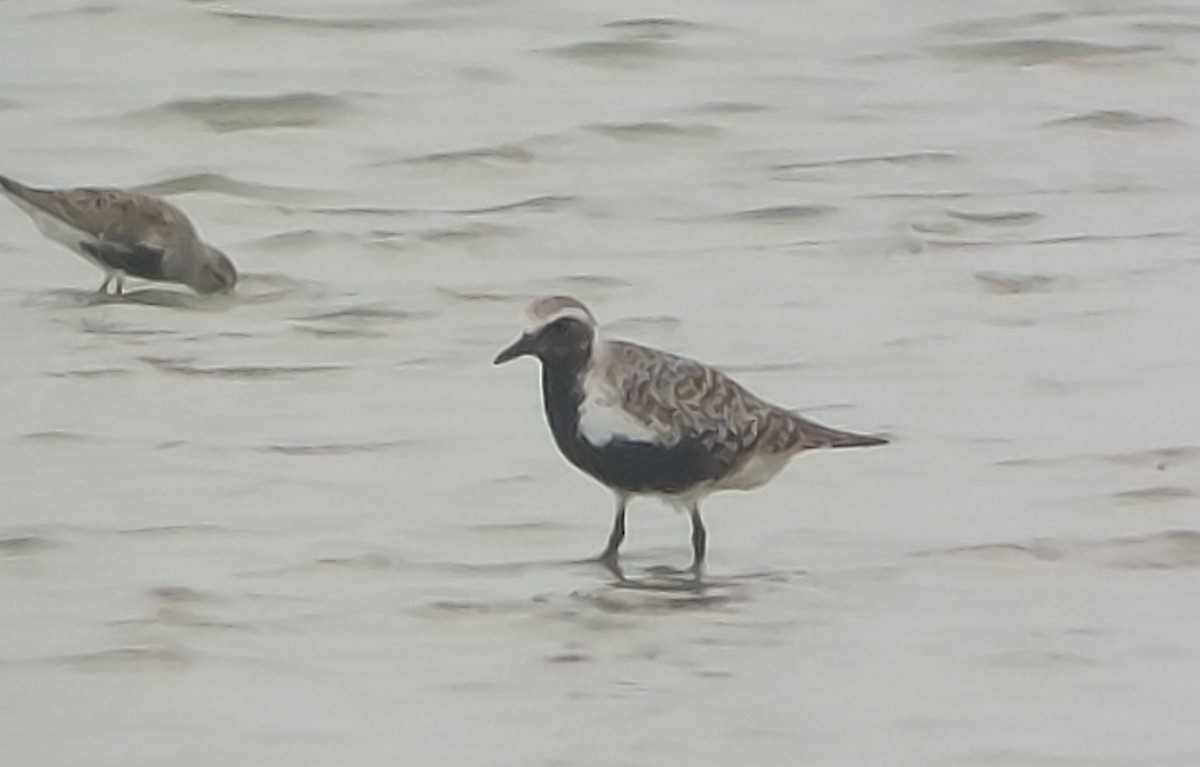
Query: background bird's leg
[(699, 539), (609, 556)]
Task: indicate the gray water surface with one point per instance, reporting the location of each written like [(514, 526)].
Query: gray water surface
[(312, 525)]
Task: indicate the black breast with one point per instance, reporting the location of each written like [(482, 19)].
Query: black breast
[(639, 467)]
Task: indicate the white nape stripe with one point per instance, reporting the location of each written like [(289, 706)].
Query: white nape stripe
[(569, 311)]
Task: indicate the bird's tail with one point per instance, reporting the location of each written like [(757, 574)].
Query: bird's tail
[(10, 186), (814, 435), (16, 191), (848, 439)]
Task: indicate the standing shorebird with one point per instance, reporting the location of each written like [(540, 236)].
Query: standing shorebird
[(126, 233), (645, 422)]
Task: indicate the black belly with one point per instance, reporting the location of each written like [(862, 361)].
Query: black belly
[(631, 466), (644, 467)]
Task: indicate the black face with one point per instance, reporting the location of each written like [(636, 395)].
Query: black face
[(563, 339)]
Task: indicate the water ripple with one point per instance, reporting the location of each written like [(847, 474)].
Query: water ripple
[(782, 214), (1118, 120), (224, 114), (222, 184), (901, 158), (24, 545), (657, 130), (1028, 52), (332, 24), (656, 26), (546, 203), (489, 156), (627, 54), (256, 372), (1002, 217), (337, 448), (132, 658), (1166, 550), (1008, 283)]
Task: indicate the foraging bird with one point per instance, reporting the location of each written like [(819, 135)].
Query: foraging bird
[(126, 233), (646, 422)]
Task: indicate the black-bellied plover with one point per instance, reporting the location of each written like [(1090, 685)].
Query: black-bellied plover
[(126, 233), (646, 422)]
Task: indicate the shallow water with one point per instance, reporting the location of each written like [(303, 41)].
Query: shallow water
[(314, 525)]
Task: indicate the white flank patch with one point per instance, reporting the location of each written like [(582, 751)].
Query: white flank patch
[(601, 417), (600, 422)]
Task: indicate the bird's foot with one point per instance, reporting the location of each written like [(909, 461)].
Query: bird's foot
[(610, 561)]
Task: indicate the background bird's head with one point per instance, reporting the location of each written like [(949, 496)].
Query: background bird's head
[(215, 273)]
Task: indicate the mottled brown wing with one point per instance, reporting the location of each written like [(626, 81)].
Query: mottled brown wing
[(691, 401)]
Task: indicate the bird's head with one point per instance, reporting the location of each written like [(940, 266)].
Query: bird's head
[(562, 329)]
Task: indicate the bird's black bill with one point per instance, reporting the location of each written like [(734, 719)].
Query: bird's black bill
[(519, 348)]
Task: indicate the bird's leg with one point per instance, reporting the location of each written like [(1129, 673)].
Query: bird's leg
[(120, 284), (699, 540), (104, 285), (609, 556)]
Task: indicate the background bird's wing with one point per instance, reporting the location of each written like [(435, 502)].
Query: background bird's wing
[(114, 215), (119, 216)]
